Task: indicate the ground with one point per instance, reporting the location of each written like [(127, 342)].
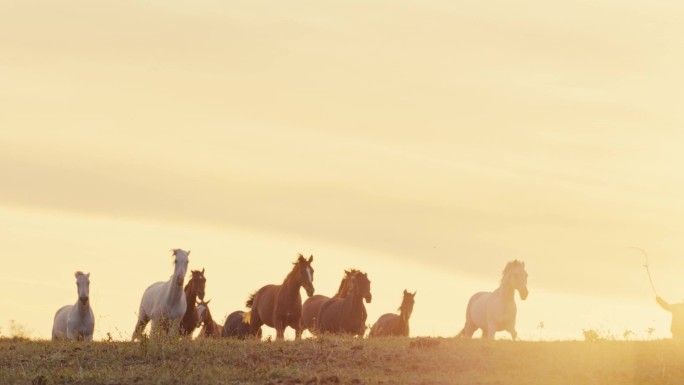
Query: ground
[(344, 360)]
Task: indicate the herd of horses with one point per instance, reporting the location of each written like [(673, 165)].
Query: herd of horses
[(174, 309)]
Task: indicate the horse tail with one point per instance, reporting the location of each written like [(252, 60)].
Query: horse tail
[(247, 317), (250, 301)]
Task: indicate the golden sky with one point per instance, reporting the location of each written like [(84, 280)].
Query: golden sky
[(425, 142)]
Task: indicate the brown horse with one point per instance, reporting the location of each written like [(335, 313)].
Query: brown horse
[(312, 305), (395, 325), (193, 290), (210, 328), (236, 327), (280, 306), (348, 314)]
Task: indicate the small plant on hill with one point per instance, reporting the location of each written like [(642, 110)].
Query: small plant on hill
[(18, 331)]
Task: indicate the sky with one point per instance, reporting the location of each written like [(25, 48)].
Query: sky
[(426, 143)]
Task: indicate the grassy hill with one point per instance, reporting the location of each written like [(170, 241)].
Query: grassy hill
[(332, 360)]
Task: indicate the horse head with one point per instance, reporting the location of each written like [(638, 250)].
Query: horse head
[(305, 274), (362, 285), (345, 284), (197, 283), (202, 312), (406, 308), (83, 287), (180, 262), (516, 276)]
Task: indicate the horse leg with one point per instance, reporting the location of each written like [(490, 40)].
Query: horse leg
[(174, 329), (139, 328), (514, 334), (468, 329), (490, 331), (280, 329), (512, 331), (254, 322)]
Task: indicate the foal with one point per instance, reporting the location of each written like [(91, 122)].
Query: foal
[(211, 329), (76, 322), (395, 325)]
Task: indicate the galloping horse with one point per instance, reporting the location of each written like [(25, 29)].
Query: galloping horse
[(348, 314), (495, 311), (194, 289), (236, 327), (280, 306), (312, 305), (211, 329), (164, 302), (392, 324), (76, 322)]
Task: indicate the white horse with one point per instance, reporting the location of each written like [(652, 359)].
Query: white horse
[(495, 311), (76, 322), (164, 302)]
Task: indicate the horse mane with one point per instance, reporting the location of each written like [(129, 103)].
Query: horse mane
[(250, 300), (510, 266), (300, 259), (175, 252), (347, 275)]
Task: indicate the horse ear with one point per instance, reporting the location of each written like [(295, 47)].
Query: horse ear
[(202, 271), (405, 292), (311, 258), (88, 275), (414, 293), (207, 303), (188, 253)]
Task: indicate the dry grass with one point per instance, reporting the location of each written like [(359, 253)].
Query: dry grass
[(332, 360)]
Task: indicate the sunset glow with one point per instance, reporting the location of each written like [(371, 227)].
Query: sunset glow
[(424, 143)]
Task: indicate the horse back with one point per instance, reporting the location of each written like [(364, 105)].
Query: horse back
[(236, 327), (386, 325)]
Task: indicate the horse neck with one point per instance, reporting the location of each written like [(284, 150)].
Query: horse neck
[(340, 293), (403, 317), (353, 302), (173, 292), (506, 290), (209, 324), (83, 309), (190, 296), (290, 286)]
